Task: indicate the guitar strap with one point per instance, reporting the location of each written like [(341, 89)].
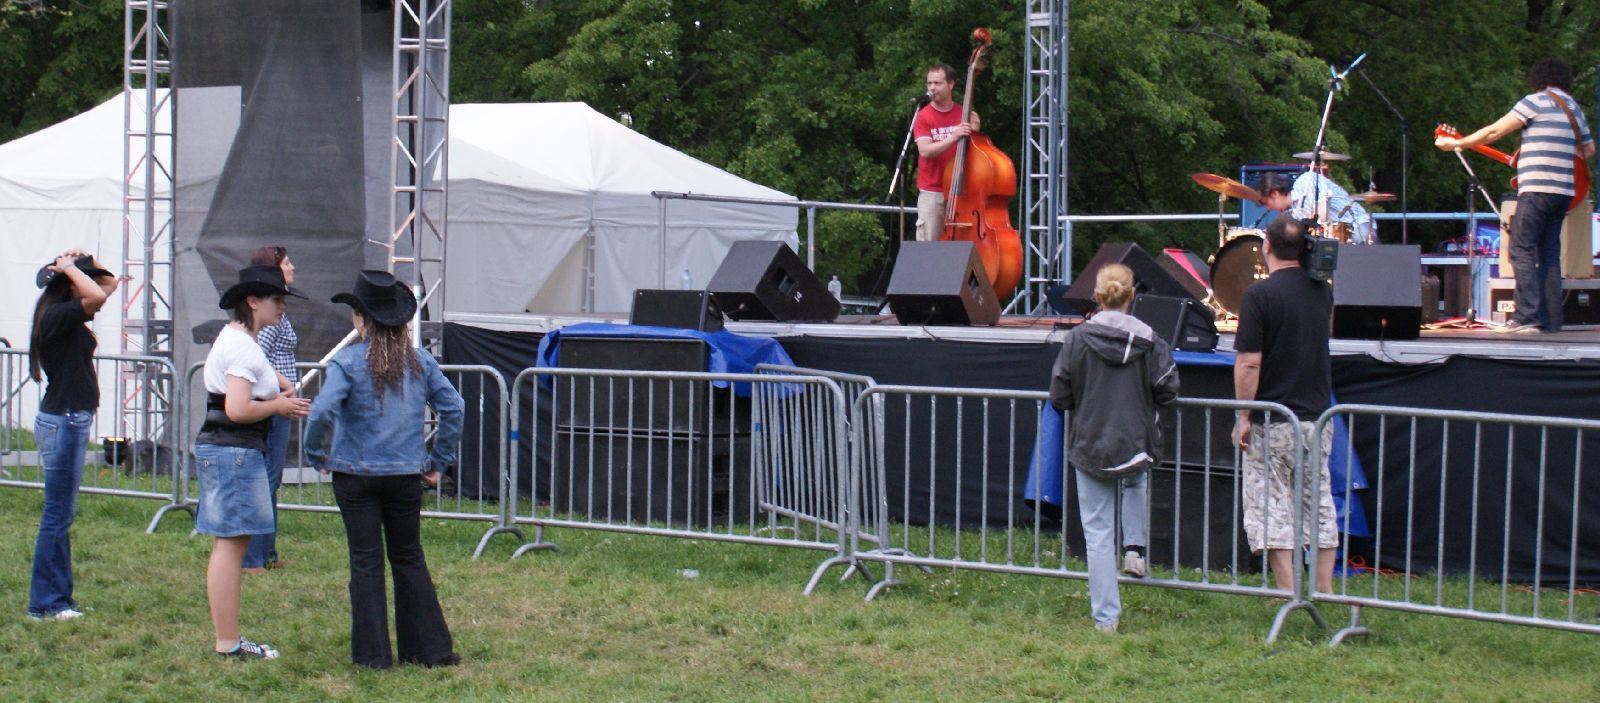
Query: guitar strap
[(1577, 136)]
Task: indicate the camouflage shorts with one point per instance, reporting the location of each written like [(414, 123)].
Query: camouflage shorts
[(1269, 488)]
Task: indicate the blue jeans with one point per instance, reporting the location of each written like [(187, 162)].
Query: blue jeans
[(1536, 258), (1097, 505), (264, 548), (61, 440)]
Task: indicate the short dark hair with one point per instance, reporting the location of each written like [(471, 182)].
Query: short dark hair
[(268, 256), (1274, 183), (1550, 73), (1286, 239), (948, 70)]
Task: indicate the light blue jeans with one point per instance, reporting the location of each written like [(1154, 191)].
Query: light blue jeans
[(1097, 505), (61, 440)]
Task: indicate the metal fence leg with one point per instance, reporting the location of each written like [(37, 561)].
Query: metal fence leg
[(1355, 628), (483, 542), (162, 512), (816, 576), (537, 545), (1283, 614)]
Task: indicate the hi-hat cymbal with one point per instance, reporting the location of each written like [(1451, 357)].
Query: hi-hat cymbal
[(1372, 196), (1326, 156), (1226, 186)]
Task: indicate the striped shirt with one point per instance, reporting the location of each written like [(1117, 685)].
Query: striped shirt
[(1544, 163), (278, 342)]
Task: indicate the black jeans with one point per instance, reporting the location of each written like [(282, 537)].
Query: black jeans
[(384, 513)]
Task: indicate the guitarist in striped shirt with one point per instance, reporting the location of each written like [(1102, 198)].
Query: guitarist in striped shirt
[(1551, 163)]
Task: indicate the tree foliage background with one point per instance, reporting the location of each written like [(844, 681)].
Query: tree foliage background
[(812, 96)]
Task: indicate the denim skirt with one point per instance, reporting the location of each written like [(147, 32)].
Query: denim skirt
[(235, 498)]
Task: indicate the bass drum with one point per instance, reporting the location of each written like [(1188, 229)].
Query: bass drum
[(1236, 266)]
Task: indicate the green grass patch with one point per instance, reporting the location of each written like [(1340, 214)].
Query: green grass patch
[(610, 617)]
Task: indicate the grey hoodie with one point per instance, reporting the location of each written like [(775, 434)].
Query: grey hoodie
[(1112, 373)]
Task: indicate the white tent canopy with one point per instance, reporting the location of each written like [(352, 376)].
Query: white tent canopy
[(533, 186)]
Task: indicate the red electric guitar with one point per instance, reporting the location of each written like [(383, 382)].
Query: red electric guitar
[(1580, 167)]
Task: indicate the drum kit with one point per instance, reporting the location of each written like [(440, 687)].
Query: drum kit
[(1239, 261)]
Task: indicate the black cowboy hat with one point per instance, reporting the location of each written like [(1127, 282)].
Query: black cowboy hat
[(85, 264), (263, 280), (381, 298)]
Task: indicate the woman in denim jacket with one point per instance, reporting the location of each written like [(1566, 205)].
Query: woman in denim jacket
[(61, 345), (372, 405)]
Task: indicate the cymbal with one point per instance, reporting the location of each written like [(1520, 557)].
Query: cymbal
[(1225, 186), (1326, 156), (1372, 196)]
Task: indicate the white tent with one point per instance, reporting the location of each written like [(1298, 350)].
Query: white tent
[(534, 186)]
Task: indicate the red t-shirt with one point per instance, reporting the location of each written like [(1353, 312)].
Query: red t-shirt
[(935, 125)]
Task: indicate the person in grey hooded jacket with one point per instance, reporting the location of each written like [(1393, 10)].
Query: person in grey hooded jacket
[(1112, 373)]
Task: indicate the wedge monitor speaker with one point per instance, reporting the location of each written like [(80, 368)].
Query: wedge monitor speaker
[(941, 283), (768, 281)]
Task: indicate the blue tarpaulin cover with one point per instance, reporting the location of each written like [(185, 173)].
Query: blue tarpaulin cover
[(1046, 485), (728, 352)]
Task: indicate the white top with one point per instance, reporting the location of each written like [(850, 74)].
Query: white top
[(235, 353)]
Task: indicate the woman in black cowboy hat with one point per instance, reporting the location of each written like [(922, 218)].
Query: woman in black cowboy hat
[(372, 405), (61, 345), (243, 394)]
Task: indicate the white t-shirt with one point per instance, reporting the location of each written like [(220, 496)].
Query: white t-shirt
[(235, 353)]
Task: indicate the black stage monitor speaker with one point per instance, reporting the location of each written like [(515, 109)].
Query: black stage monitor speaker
[(768, 281), (1377, 291), (688, 309), (1148, 276), (941, 283), (1184, 323), (1188, 269)]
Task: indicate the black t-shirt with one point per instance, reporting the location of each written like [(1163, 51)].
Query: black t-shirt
[(66, 353), (1286, 319)]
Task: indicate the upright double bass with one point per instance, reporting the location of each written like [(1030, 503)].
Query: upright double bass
[(979, 184)]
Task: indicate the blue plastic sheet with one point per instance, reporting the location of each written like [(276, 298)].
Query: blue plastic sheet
[(1046, 485), (726, 352)]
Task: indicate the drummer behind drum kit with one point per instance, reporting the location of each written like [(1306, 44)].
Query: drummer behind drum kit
[(1239, 261)]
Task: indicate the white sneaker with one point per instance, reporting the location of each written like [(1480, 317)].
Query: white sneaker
[(1133, 564), (58, 616), (1109, 628)]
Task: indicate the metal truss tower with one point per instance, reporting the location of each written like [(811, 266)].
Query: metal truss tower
[(1047, 237), (418, 152), (149, 104)]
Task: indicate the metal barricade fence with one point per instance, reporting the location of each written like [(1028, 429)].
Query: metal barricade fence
[(681, 454), (470, 491), (136, 460), (955, 467), (1482, 519)]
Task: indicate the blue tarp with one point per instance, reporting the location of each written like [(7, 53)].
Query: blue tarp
[(727, 352), (1047, 452)]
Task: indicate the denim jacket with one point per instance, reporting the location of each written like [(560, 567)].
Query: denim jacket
[(386, 439)]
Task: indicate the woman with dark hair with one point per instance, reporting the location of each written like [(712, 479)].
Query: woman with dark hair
[(243, 393), (372, 407), (278, 343), (62, 347)]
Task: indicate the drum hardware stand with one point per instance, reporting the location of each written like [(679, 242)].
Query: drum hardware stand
[(1470, 320)]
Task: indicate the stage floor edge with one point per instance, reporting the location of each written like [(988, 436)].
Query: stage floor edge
[(1431, 346)]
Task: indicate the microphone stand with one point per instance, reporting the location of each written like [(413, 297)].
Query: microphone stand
[(1471, 320), (896, 189), (1335, 82), (1405, 160)]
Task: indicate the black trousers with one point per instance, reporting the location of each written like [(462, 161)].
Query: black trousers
[(384, 513)]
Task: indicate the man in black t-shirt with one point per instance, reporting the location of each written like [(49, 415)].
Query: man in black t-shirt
[(1282, 357)]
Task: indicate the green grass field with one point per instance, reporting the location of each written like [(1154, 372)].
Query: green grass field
[(609, 617)]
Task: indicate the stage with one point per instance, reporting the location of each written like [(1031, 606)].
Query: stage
[(1432, 345)]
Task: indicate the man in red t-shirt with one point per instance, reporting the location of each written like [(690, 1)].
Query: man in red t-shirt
[(938, 127)]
